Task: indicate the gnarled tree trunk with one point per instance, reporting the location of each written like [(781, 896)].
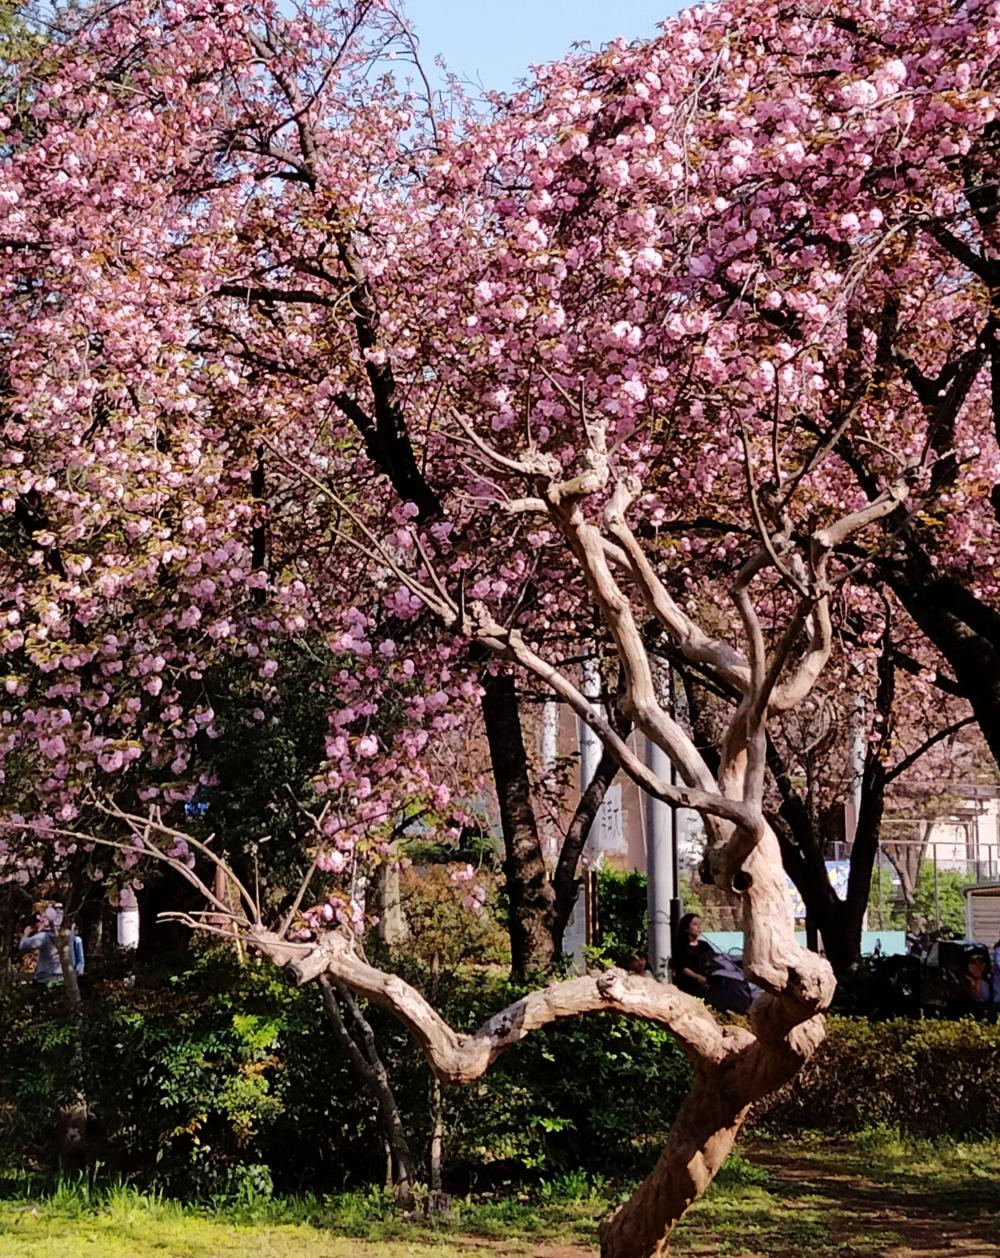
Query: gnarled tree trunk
[(733, 1066)]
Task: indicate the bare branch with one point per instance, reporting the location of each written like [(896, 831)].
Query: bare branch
[(142, 826), (492, 455), (834, 535), (908, 761), (696, 645), (510, 644), (458, 1058)]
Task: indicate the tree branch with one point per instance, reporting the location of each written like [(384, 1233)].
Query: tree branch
[(458, 1058)]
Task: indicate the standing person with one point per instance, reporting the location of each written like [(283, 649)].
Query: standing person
[(996, 973), (42, 939)]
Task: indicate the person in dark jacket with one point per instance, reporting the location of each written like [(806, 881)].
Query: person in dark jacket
[(692, 956), (700, 970)]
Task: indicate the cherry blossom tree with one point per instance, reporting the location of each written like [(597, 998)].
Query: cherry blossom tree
[(590, 506), (260, 256), (681, 348), (194, 466)]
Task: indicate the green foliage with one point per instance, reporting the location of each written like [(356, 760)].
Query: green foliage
[(623, 913), (813, 1196), (440, 925), (920, 1077), (949, 896), (177, 1085), (889, 912), (224, 1080), (624, 924), (595, 1094), (224, 1084), (737, 1172), (275, 732), (20, 40)]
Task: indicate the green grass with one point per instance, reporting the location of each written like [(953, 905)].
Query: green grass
[(851, 1198), (812, 1199)]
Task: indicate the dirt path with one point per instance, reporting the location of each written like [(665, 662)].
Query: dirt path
[(822, 1202), (904, 1218), (477, 1245)]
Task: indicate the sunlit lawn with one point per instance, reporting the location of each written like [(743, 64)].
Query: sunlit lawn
[(138, 1234), (870, 1198)]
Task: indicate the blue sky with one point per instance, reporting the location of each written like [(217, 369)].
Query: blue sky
[(494, 41)]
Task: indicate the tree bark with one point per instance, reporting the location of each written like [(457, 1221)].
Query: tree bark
[(70, 980), (838, 921), (966, 632), (733, 1066), (701, 1139), (370, 1068), (906, 860), (532, 918), (698, 1143)]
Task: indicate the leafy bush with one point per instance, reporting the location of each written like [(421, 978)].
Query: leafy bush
[(177, 1085), (921, 1077), (440, 925), (221, 1080), (623, 915), (594, 1094)]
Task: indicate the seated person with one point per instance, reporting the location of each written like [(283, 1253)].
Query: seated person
[(692, 956), (975, 984), (700, 970)]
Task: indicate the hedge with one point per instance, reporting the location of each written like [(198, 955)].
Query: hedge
[(924, 1077), (221, 1077)]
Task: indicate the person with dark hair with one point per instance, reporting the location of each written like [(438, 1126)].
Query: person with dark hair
[(700, 970), (692, 956), (42, 939), (975, 984)]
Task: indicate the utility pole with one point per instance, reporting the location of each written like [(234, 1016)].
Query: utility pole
[(663, 904), (579, 928)]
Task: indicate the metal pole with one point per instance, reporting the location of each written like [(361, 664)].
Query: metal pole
[(590, 744), (550, 757), (937, 893), (878, 890), (660, 845), (663, 907), (675, 876)]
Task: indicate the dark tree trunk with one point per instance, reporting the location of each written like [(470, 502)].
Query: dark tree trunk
[(370, 1068), (534, 939), (839, 922), (906, 860), (964, 630)]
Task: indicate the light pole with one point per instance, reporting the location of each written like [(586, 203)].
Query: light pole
[(663, 904)]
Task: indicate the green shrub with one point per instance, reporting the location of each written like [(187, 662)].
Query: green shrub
[(223, 1083), (623, 915), (221, 1080), (920, 1077), (594, 1094), (209, 1082)]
